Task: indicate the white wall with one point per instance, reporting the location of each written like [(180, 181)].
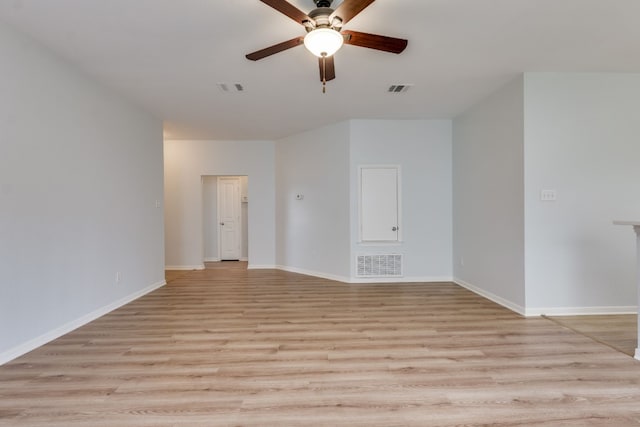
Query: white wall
[(582, 139), (210, 218), (313, 233), (186, 162), (80, 173), (422, 149), (244, 217), (488, 201)]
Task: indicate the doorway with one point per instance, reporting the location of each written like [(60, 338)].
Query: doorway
[(225, 218)]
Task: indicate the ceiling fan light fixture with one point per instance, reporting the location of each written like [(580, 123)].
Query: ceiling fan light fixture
[(323, 41)]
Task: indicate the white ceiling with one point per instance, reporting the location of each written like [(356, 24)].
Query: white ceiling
[(168, 55)]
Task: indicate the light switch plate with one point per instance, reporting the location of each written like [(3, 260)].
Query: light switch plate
[(548, 195)]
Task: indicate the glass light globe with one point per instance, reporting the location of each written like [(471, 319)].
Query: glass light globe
[(323, 41)]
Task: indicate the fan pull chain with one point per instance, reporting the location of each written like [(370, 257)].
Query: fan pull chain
[(324, 73)]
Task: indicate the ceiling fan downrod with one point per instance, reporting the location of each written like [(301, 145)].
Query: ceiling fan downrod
[(323, 3)]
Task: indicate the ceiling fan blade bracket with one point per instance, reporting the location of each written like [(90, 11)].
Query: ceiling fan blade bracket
[(309, 25)]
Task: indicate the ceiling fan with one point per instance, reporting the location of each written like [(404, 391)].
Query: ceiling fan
[(325, 34)]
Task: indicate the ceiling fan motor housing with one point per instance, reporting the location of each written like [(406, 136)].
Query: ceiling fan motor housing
[(323, 3), (320, 17)]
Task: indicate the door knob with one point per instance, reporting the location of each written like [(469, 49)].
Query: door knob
[(222, 223), (395, 228)]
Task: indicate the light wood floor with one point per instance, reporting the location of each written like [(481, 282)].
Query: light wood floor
[(619, 331), (230, 347)]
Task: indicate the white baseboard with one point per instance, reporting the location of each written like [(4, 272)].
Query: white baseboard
[(34, 343), (184, 267), (212, 260), (547, 311), (493, 297), (580, 311), (244, 258), (260, 267)]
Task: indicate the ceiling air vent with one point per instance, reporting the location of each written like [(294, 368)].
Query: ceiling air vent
[(230, 87), (399, 88)]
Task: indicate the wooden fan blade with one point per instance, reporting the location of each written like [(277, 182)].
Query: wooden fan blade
[(373, 41), (288, 9), (327, 68), (268, 51), (349, 8)]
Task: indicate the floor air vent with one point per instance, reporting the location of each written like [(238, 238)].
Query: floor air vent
[(379, 265)]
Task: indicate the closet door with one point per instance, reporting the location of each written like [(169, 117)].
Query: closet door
[(379, 204)]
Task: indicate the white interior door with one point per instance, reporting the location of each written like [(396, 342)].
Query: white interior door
[(379, 204), (230, 235)]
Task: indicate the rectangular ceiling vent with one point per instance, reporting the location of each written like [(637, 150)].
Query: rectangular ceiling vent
[(230, 87), (400, 88), (379, 265)]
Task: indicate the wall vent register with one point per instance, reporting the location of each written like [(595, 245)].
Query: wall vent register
[(379, 265)]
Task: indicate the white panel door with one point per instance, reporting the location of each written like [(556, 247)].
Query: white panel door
[(229, 218), (379, 204)]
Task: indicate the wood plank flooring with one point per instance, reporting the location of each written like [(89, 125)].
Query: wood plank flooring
[(230, 347), (619, 331)]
